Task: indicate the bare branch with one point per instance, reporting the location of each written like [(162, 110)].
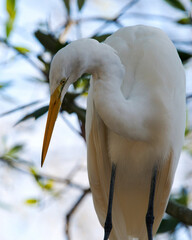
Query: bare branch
[(183, 42), (127, 7), (70, 125), (115, 19), (20, 108), (27, 58), (71, 212), (149, 16), (182, 213), (25, 167)]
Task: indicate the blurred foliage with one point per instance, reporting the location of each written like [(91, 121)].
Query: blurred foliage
[(80, 4), (22, 50), (35, 114), (176, 4), (45, 184), (67, 5), (169, 223), (32, 201), (4, 85), (11, 10), (51, 43), (13, 152)]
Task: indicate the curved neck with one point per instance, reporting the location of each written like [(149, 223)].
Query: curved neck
[(101, 62), (122, 116)]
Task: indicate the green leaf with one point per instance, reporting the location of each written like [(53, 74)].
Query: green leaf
[(22, 50), (184, 55), (183, 197), (83, 82), (37, 177), (4, 85), (101, 38), (9, 27), (49, 185), (168, 225), (176, 4), (36, 114), (18, 108), (67, 5), (35, 174), (187, 129), (32, 201), (186, 20), (14, 151), (80, 4), (49, 42), (11, 8), (42, 183)]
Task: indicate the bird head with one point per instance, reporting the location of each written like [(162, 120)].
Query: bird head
[(60, 78), (68, 65)]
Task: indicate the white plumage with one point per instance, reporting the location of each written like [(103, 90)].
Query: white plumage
[(135, 119)]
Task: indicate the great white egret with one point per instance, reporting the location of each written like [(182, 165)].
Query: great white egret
[(134, 124)]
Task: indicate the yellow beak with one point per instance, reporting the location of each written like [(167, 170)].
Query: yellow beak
[(54, 107)]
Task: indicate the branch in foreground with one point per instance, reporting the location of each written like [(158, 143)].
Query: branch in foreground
[(25, 167), (180, 212), (174, 209), (71, 212), (24, 55)]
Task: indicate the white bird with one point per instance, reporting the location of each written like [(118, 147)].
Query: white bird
[(135, 124)]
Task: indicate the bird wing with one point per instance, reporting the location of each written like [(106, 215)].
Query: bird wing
[(99, 166), (165, 178), (98, 161)]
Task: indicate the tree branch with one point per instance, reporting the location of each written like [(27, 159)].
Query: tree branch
[(182, 213), (25, 167), (71, 212), (20, 108), (115, 19), (25, 56)]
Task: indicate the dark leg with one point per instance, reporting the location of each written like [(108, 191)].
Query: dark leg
[(108, 221), (149, 216)]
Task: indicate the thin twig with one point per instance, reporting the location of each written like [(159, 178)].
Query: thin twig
[(20, 108), (149, 16), (127, 7), (114, 20), (26, 169), (27, 58), (129, 15), (72, 210), (188, 97), (182, 42), (70, 125)]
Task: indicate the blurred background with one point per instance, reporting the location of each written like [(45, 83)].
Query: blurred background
[(55, 202)]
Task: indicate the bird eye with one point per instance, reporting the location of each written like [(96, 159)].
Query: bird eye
[(63, 81)]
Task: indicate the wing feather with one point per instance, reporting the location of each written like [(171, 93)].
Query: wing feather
[(99, 170), (98, 160)]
